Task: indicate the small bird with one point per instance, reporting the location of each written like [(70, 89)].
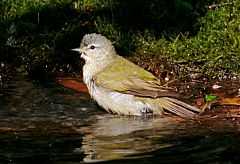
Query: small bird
[(120, 86)]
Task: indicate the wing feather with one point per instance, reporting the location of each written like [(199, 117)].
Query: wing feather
[(126, 77)]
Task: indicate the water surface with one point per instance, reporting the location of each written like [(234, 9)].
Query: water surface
[(43, 122)]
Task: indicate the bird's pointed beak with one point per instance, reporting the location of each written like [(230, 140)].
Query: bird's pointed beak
[(81, 51), (76, 49)]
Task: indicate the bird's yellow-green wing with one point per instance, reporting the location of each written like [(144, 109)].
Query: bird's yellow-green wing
[(126, 77)]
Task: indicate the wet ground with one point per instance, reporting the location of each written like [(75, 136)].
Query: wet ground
[(43, 122)]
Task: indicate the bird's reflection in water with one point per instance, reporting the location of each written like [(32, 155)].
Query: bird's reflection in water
[(116, 137)]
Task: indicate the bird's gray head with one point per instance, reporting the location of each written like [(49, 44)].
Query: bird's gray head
[(95, 47)]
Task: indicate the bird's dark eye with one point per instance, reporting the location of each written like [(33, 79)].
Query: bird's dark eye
[(92, 47)]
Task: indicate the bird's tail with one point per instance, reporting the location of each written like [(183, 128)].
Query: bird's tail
[(178, 107)]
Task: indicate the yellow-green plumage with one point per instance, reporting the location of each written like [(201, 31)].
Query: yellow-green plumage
[(123, 75), (126, 77), (122, 87)]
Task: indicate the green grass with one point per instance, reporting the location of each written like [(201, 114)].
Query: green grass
[(180, 37)]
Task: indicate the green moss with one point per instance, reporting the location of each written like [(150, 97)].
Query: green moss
[(180, 36), (213, 51)]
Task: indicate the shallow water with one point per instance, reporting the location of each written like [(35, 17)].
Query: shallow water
[(43, 122)]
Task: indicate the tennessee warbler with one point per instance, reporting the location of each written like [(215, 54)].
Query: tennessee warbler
[(120, 86)]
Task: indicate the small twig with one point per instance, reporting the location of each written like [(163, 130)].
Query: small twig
[(206, 105), (213, 6)]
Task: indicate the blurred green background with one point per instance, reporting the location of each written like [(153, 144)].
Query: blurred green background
[(196, 38)]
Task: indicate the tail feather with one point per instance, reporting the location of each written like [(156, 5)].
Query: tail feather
[(178, 107)]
